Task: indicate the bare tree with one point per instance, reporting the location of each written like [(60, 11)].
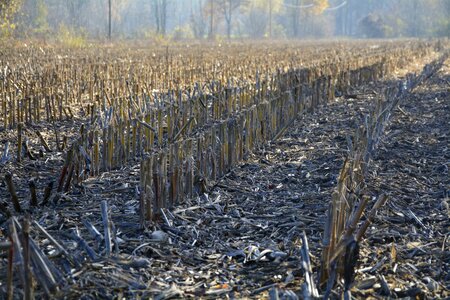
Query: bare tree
[(211, 20), (270, 18), (295, 17), (109, 19), (160, 10), (227, 8), (75, 10), (198, 20), (256, 22)]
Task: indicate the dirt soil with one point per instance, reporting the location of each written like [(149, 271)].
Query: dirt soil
[(242, 237)]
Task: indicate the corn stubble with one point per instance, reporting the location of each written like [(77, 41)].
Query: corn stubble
[(348, 216), (188, 115)]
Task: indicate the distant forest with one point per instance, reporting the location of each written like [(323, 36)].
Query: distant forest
[(222, 19)]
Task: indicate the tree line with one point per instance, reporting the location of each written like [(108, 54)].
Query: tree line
[(209, 19)]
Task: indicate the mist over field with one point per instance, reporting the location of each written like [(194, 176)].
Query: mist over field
[(221, 19)]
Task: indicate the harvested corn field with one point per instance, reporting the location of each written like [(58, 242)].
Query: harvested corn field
[(288, 170)]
